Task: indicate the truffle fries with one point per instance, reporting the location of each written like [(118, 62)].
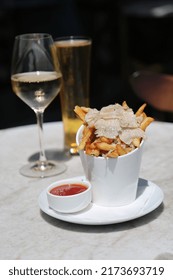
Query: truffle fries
[(129, 129)]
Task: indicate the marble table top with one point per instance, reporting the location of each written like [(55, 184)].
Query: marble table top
[(28, 233)]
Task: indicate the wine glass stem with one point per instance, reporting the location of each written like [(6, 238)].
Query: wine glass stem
[(42, 157)]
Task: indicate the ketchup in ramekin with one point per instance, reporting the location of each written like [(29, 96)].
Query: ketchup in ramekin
[(68, 189)]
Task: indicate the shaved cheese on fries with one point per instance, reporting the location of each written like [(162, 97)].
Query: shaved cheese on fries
[(113, 131)]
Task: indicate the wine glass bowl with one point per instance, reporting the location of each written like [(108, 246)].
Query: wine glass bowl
[(36, 80), (36, 89)]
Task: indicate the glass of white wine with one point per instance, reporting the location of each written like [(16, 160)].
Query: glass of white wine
[(36, 82)]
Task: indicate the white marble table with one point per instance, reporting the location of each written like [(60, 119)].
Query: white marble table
[(28, 233)]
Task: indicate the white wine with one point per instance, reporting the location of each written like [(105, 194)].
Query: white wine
[(37, 89), (36, 81)]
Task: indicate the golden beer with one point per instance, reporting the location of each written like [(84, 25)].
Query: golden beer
[(74, 58)]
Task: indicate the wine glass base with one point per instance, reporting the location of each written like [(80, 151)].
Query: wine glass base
[(42, 170)]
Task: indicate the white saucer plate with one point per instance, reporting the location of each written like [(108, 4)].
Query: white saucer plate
[(149, 197)]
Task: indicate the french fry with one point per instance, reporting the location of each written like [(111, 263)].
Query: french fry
[(143, 115), (106, 140), (87, 132), (105, 146), (112, 154), (92, 145), (80, 113), (124, 104), (140, 110), (120, 150), (128, 149), (85, 109), (92, 151), (146, 123), (136, 142)]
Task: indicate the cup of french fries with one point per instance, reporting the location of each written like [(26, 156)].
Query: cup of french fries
[(110, 144)]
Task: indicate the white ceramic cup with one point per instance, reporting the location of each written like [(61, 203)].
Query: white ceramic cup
[(114, 180)]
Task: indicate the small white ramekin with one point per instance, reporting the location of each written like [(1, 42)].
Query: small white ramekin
[(69, 203)]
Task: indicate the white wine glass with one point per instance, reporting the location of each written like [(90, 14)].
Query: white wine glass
[(36, 82)]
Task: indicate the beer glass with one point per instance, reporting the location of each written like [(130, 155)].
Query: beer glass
[(73, 54)]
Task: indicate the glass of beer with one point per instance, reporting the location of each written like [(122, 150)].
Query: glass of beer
[(73, 53)]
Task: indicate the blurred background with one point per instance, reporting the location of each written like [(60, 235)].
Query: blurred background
[(128, 37)]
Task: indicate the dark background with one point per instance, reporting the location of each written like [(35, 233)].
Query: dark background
[(121, 35)]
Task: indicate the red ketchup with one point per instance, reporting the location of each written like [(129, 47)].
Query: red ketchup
[(68, 189)]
